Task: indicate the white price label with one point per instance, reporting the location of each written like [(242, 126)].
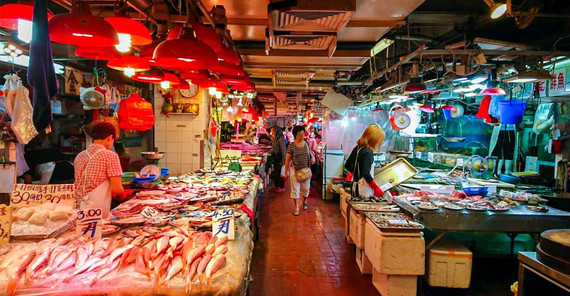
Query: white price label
[(223, 214), (89, 222), (460, 161), (149, 212), (418, 154), (430, 157)]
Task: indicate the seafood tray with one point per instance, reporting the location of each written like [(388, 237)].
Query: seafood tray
[(394, 222), (368, 199), (374, 207), (229, 201)]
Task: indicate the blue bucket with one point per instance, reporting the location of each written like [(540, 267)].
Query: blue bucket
[(447, 114), (511, 111), (164, 172)]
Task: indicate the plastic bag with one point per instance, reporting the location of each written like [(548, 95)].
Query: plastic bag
[(494, 106), (22, 112), (543, 118), (135, 114), (282, 171)]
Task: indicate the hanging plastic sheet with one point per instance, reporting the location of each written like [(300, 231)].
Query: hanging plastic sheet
[(19, 109)]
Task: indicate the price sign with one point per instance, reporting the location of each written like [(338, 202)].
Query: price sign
[(418, 154), (224, 223), (89, 223), (149, 213), (460, 161), (25, 194), (430, 157), (5, 224)]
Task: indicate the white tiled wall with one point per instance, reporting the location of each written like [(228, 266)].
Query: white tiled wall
[(181, 136)]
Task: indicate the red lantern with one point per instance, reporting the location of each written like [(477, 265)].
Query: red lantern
[(184, 53), (97, 53), (11, 13), (80, 27)]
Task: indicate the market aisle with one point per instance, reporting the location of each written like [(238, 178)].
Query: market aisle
[(304, 255)]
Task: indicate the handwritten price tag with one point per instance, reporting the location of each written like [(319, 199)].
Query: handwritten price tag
[(224, 223), (150, 214), (89, 223), (5, 224), (25, 194)]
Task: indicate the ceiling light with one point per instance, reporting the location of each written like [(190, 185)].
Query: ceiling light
[(218, 95), (493, 91), (460, 79), (240, 104), (154, 75), (529, 76), (380, 46), (497, 9), (473, 87), (212, 91), (80, 27), (479, 79), (461, 90), (130, 31), (97, 53), (165, 84), (129, 64), (187, 49), (12, 49), (129, 72), (18, 16), (399, 97)]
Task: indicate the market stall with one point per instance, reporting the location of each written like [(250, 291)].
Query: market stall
[(153, 243)]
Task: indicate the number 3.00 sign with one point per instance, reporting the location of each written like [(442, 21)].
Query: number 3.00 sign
[(89, 222)]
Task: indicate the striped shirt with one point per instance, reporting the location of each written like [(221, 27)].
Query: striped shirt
[(299, 155)]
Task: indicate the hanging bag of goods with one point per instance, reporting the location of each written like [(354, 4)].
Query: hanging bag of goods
[(135, 114), (19, 109)]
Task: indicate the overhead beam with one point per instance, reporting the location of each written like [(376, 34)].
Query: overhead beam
[(303, 66), (439, 52), (405, 59), (304, 53)]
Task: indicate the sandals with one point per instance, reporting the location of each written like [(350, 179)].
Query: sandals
[(296, 213), (305, 206)]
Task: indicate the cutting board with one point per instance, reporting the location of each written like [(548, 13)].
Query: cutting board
[(556, 242), (498, 184)]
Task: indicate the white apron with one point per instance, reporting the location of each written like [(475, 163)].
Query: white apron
[(100, 197), (363, 187)]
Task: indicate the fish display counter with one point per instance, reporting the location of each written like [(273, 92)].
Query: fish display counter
[(164, 241)]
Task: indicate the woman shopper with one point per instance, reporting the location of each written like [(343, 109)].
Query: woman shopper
[(297, 164), (278, 156), (361, 162)]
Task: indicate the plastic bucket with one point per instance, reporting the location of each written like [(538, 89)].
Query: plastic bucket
[(512, 111)]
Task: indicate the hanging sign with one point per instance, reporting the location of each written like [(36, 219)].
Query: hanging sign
[(5, 224), (89, 223), (24, 194), (224, 223)]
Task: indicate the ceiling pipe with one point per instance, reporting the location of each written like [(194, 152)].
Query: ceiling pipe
[(417, 38)]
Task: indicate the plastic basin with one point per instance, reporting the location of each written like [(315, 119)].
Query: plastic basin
[(471, 191), (144, 180)]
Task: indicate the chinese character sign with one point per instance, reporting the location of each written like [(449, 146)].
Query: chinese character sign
[(224, 223), (5, 223), (89, 223)]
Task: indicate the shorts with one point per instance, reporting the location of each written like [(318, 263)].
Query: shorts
[(298, 188)]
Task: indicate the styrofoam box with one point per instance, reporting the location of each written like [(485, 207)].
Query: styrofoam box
[(357, 226), (394, 253), (343, 205), (449, 265), (363, 262), (395, 285)]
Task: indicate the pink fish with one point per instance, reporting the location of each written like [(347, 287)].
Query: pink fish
[(175, 242), (222, 239), (210, 249), (118, 252), (105, 271), (67, 263), (58, 260), (194, 253), (161, 245), (220, 250), (123, 260), (186, 249), (213, 240), (92, 262), (191, 273), (175, 268), (14, 271), (213, 266), (111, 246), (82, 256), (36, 263), (202, 266), (140, 265)]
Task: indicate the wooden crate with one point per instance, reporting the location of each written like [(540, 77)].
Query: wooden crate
[(363, 262), (357, 228)]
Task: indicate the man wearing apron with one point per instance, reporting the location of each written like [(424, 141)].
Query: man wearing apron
[(98, 171)]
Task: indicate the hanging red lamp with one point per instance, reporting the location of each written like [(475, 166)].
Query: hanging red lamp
[(208, 36), (225, 68), (130, 31), (195, 76), (129, 64), (493, 91), (233, 80), (229, 56), (154, 75), (12, 13), (80, 27), (97, 53), (184, 53), (174, 33)]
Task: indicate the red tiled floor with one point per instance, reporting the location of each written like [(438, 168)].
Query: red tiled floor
[(304, 255)]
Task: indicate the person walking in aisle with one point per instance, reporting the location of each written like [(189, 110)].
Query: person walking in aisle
[(297, 166), (361, 162), (278, 156)]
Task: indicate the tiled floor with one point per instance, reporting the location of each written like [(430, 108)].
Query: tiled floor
[(304, 255)]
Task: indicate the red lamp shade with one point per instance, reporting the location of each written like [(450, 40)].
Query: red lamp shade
[(413, 88), (493, 91), (11, 13), (233, 81), (229, 56), (129, 61), (97, 53), (172, 78), (140, 34), (225, 68), (154, 75), (243, 88), (184, 53), (196, 76), (208, 36), (174, 33), (212, 82), (80, 27)]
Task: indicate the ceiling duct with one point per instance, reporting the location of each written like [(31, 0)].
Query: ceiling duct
[(307, 24)]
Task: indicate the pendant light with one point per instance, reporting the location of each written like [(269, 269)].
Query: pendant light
[(169, 79), (229, 56), (184, 53), (225, 68), (416, 82), (154, 75), (208, 36), (195, 76), (233, 80), (130, 31), (493, 89), (18, 16), (80, 27), (497, 9), (97, 53), (129, 64), (147, 51)]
